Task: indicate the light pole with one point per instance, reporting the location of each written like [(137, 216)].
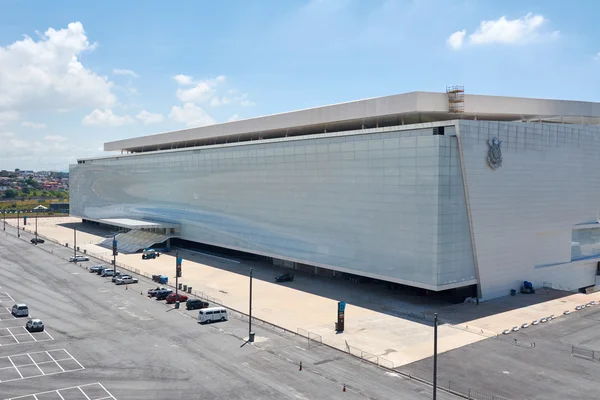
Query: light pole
[(435, 326), (18, 227), (36, 236), (250, 338), (4, 218), (74, 242), (115, 250)]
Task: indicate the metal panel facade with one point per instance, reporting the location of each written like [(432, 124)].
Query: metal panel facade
[(388, 204)]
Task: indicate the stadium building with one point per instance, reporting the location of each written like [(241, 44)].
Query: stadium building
[(439, 191)]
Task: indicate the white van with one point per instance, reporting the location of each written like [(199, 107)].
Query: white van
[(212, 314), (108, 272), (20, 310)]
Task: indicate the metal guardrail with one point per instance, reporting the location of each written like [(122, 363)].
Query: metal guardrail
[(312, 338), (369, 357), (581, 352)]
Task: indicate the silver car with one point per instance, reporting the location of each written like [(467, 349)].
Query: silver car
[(20, 310)]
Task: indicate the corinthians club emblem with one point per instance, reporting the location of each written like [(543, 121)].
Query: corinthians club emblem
[(494, 157)]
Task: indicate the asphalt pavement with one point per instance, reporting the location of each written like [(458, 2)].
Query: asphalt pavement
[(104, 341)]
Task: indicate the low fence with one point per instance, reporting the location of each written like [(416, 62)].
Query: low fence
[(587, 354), (369, 357), (312, 338)]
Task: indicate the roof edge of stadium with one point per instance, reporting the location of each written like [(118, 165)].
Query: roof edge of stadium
[(413, 107)]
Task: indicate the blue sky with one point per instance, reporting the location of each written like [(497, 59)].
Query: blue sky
[(93, 72)]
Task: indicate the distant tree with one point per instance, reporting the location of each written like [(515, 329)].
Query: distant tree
[(26, 190), (10, 194)]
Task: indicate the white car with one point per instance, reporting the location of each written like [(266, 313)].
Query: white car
[(79, 259), (125, 280)]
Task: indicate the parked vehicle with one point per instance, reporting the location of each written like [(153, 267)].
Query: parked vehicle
[(96, 268), (20, 310), (152, 292), (108, 272), (172, 298), (162, 279), (116, 276), (126, 280), (79, 259), (284, 278), (195, 304), (163, 294), (150, 254), (37, 240), (34, 325), (211, 314)]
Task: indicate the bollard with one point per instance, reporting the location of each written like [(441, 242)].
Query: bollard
[(300, 366), (185, 288), (180, 285), (189, 289), (344, 388)]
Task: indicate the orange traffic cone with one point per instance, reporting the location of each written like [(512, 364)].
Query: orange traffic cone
[(344, 389), (300, 366)]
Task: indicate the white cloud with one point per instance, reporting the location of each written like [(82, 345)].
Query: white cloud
[(203, 91), (8, 116), (55, 138), (247, 103), (47, 73), (106, 118), (526, 29), (597, 57), (33, 125), (128, 72), (184, 79), (234, 117), (191, 115), (149, 118), (6, 134), (456, 39)]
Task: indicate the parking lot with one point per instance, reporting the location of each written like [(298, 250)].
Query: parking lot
[(92, 391), (105, 341)]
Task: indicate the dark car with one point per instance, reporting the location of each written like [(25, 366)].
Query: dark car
[(37, 240), (117, 276), (162, 294), (195, 304), (100, 270), (152, 292), (284, 278), (96, 268), (172, 298)]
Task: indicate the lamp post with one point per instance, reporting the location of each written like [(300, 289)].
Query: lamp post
[(115, 250), (18, 227), (36, 235), (4, 218), (435, 329), (74, 241), (250, 338)]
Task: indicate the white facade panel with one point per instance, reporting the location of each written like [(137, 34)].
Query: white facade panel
[(523, 213), (388, 204)]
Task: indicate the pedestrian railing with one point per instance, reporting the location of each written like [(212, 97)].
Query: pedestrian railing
[(584, 353), (312, 338), (369, 357)]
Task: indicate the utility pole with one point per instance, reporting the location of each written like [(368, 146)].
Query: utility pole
[(18, 227), (36, 235), (250, 338), (4, 217), (74, 241), (177, 275), (435, 329), (115, 251)]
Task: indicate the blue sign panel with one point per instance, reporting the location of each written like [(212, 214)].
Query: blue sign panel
[(179, 261), (341, 306)]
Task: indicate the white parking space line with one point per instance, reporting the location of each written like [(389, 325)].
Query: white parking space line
[(15, 367), (9, 378), (86, 396), (38, 367), (105, 396), (5, 297), (17, 332)]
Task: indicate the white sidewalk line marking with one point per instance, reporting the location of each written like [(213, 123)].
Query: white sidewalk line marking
[(34, 339), (34, 363), (55, 361), (59, 395), (17, 369), (46, 332)]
